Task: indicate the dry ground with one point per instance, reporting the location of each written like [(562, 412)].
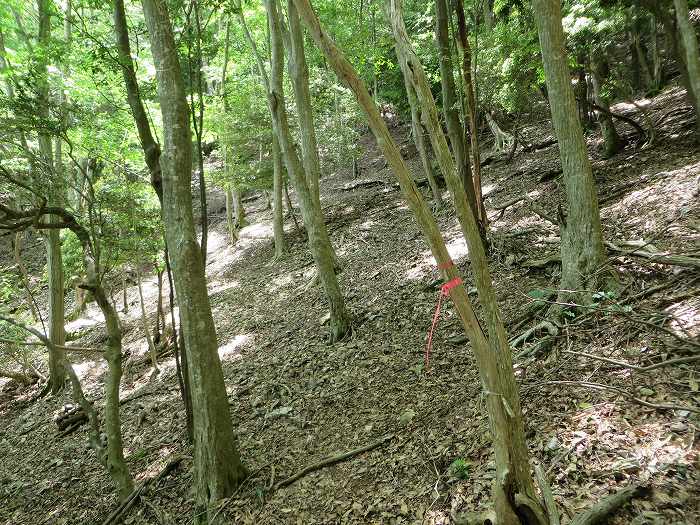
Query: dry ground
[(296, 399)]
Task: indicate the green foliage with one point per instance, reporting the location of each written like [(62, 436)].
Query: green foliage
[(460, 469)]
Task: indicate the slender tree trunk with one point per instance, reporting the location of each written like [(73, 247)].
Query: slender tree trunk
[(233, 236), (674, 45), (493, 355), (116, 465), (319, 242), (470, 109), (455, 130), (238, 209), (25, 275), (599, 73), (144, 323), (218, 468), (54, 260), (582, 251), (411, 64), (299, 73), (692, 56), (278, 188), (151, 150)]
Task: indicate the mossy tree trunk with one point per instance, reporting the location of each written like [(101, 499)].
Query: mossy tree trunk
[(582, 251), (513, 488), (218, 468)]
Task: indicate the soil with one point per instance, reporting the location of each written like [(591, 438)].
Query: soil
[(296, 399)]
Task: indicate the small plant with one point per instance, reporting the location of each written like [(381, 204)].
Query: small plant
[(459, 469)]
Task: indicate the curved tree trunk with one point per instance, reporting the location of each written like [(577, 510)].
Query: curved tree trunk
[(319, 241), (513, 484), (582, 251), (218, 468), (411, 65)]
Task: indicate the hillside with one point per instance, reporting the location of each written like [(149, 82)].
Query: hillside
[(593, 424)]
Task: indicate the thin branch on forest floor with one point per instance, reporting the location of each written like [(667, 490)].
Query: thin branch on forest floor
[(332, 460), (609, 505), (598, 386), (132, 498), (637, 368)]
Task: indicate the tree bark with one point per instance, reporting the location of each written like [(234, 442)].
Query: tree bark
[(144, 322), (692, 56), (599, 73), (411, 64), (218, 468), (582, 250), (299, 73), (278, 188), (470, 109), (513, 475), (455, 130), (319, 241), (233, 235), (54, 260)]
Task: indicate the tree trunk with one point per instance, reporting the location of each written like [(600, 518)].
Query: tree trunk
[(151, 150), (674, 45), (218, 468), (319, 242), (470, 109), (299, 73), (654, 51), (278, 188), (410, 64), (582, 251), (116, 465), (233, 236), (692, 56), (25, 276), (238, 209), (493, 356), (599, 73), (144, 323), (455, 130), (54, 260)]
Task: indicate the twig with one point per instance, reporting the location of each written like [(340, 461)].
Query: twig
[(332, 461), (598, 386)]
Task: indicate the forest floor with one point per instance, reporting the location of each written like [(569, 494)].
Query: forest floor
[(295, 399)]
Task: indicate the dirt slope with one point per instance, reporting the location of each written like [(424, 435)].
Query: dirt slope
[(296, 400)]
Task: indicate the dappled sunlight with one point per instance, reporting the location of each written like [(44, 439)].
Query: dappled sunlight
[(217, 286), (686, 317), (600, 434), (258, 230), (232, 349), (90, 369)]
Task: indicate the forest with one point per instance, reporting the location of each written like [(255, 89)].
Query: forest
[(350, 261)]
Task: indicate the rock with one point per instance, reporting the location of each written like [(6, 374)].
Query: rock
[(553, 444), (406, 417), (679, 426)]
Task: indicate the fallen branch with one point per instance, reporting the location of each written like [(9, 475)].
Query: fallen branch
[(547, 496), (659, 258), (118, 513), (598, 386), (332, 461), (662, 364), (602, 510)]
